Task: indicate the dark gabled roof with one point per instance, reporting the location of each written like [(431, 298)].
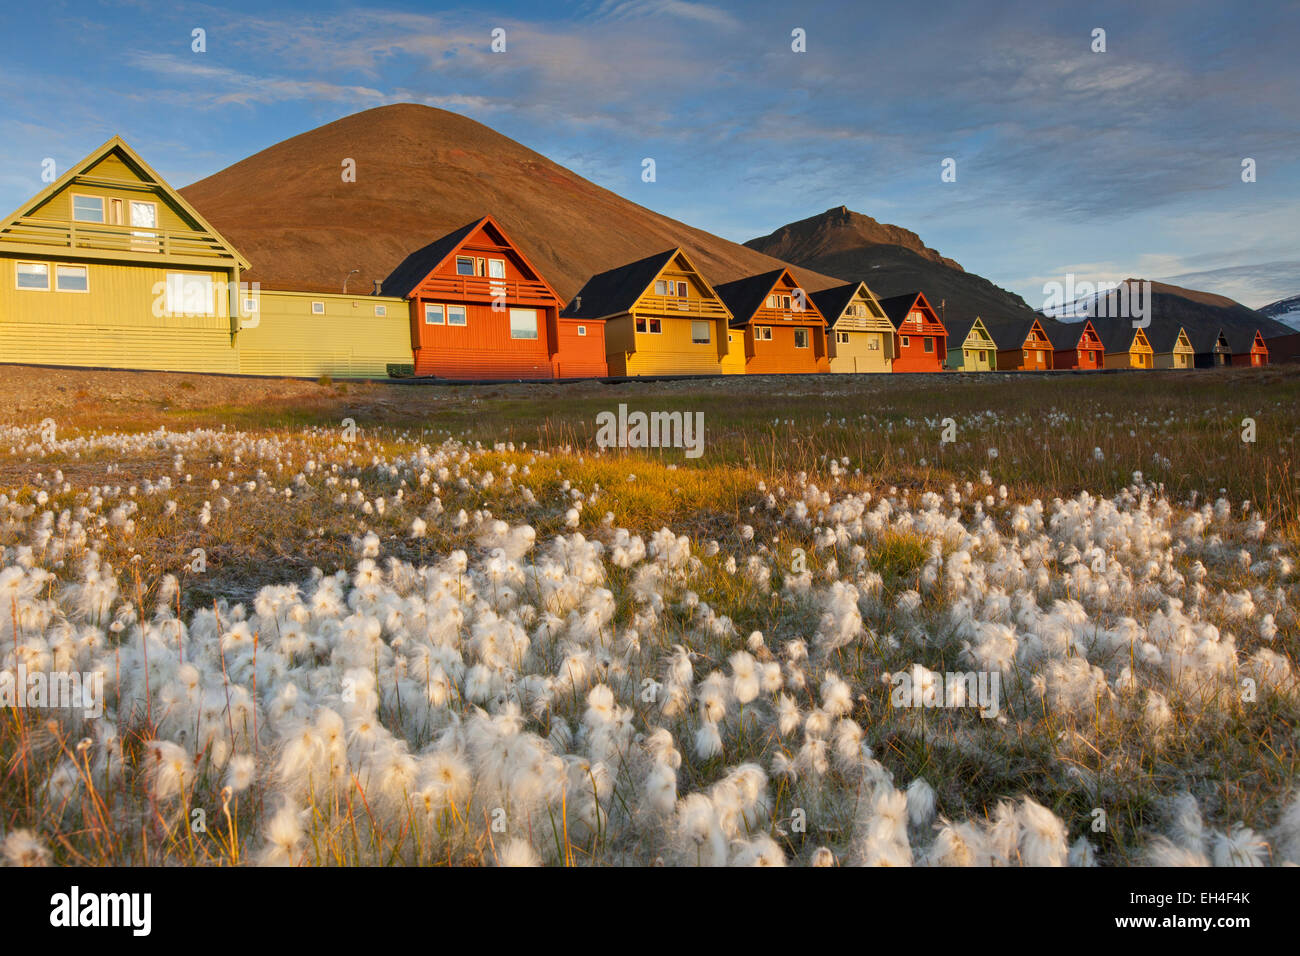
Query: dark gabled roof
[(959, 329), (832, 302), (1116, 334), (744, 296), (1205, 338), (616, 291), (1163, 335), (1241, 341), (1011, 333), (897, 306), (1064, 335), (416, 267)]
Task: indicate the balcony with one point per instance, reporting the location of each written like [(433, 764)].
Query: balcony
[(486, 289), (670, 305), (96, 241)]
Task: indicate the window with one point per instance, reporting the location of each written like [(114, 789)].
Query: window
[(434, 314), (33, 275), (681, 290), (381, 311), (763, 333), (661, 287), (1040, 356), (728, 338), (189, 294), (464, 266), (88, 208), (582, 330), (907, 341), (842, 338), (496, 268), (656, 326), (915, 318), (115, 212), (929, 344), (523, 323), (640, 324), (785, 302), (801, 338), (71, 279), (318, 308), (873, 343), (773, 301), (482, 265), (456, 315), (250, 305), (700, 333)]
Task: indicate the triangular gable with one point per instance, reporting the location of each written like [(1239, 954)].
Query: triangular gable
[(1259, 341), (683, 263), (1083, 336), (1139, 338), (745, 297), (1041, 331), (1183, 339), (78, 173), (985, 341), (899, 307), (833, 302), (404, 281)]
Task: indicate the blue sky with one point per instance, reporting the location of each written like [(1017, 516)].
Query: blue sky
[(1105, 165)]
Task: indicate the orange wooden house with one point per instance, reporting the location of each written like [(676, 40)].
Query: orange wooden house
[(1084, 352), (481, 310), (1248, 349), (922, 338), (1023, 345), (783, 328)]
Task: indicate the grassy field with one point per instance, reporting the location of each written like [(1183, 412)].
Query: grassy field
[(1088, 537)]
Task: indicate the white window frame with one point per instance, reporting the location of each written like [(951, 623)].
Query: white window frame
[(381, 311), (31, 288), (807, 339), (497, 262), (470, 260), (441, 310), (582, 330), (103, 209), (318, 307), (537, 330), (696, 324), (85, 270), (763, 333), (177, 304), (651, 326), (907, 341), (464, 316)]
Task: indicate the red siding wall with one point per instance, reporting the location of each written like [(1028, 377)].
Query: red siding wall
[(914, 358), (483, 347), (580, 356)]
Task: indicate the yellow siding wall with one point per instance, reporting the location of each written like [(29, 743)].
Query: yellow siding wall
[(348, 341), (857, 355), (112, 325)]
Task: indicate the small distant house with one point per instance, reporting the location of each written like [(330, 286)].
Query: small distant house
[(1170, 346), (784, 331), (922, 337), (1023, 345), (1125, 346), (1248, 348), (860, 336), (1084, 352), (660, 316), (1210, 347), (972, 348)]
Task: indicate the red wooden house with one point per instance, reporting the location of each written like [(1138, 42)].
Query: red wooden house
[(783, 329), (1248, 349), (480, 309), (1085, 353), (922, 338)]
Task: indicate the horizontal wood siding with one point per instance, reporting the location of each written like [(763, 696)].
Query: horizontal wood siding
[(348, 341), (780, 356), (482, 348), (580, 356), (857, 355), (112, 325)]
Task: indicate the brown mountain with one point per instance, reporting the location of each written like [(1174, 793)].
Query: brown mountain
[(892, 260), (420, 173)]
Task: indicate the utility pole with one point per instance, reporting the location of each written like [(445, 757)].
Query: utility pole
[(346, 278)]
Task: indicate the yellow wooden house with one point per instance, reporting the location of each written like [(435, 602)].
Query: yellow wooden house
[(972, 348), (661, 317), (1125, 345), (109, 266), (1170, 345), (860, 337)]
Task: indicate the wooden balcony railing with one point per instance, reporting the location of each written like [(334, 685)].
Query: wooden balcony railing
[(516, 290), (675, 305), (94, 237)]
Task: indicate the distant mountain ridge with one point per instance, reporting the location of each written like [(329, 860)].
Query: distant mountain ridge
[(850, 246), (1285, 311)]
